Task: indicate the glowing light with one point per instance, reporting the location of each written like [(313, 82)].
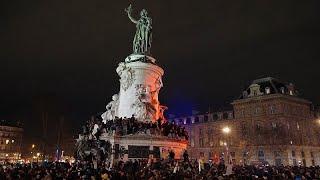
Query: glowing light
[(38, 154), (33, 146), (7, 155), (226, 130), (7, 141), (12, 141)]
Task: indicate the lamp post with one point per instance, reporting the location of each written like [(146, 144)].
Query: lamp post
[(226, 131), (38, 155), (32, 157)]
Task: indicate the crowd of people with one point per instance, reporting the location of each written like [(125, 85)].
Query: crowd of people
[(127, 126), (153, 170)]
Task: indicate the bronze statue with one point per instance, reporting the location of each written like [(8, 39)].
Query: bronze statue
[(143, 37)]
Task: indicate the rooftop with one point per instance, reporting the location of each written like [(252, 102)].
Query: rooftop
[(10, 123), (268, 85)]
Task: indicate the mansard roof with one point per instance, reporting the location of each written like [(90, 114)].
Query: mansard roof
[(266, 86), (10, 123)]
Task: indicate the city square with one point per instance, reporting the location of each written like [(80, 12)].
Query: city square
[(160, 90)]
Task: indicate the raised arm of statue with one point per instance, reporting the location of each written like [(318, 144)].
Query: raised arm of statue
[(129, 10)]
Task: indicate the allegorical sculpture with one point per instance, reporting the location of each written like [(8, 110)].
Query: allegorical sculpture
[(143, 37), (111, 109), (134, 119)]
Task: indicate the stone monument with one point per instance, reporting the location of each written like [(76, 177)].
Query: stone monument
[(133, 122)]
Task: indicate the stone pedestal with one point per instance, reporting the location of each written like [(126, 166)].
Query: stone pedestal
[(140, 83), (154, 146)]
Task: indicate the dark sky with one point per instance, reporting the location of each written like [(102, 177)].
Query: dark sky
[(60, 56)]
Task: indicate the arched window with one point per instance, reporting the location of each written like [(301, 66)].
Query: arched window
[(206, 118), (261, 155), (225, 115)]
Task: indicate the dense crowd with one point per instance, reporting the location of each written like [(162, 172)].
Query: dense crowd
[(153, 170), (127, 126)]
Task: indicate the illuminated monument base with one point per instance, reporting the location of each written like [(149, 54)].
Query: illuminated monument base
[(140, 83), (144, 146)]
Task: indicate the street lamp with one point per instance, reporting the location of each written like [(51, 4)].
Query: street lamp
[(32, 147), (226, 130), (38, 154)]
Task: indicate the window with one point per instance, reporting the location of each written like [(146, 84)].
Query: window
[(277, 154), (233, 156), (192, 142), (258, 127), (242, 113), (243, 130), (274, 126), (304, 162), (267, 90), (209, 133), (201, 142), (294, 161), (202, 154), (261, 155), (256, 111), (206, 118), (272, 109), (188, 120), (196, 119), (277, 158), (200, 132), (225, 115), (302, 154)]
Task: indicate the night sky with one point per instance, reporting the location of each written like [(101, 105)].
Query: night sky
[(60, 56)]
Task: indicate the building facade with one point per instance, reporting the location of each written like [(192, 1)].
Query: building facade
[(10, 142), (269, 123)]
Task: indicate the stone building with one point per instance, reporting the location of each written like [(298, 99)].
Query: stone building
[(10, 141), (270, 123)]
